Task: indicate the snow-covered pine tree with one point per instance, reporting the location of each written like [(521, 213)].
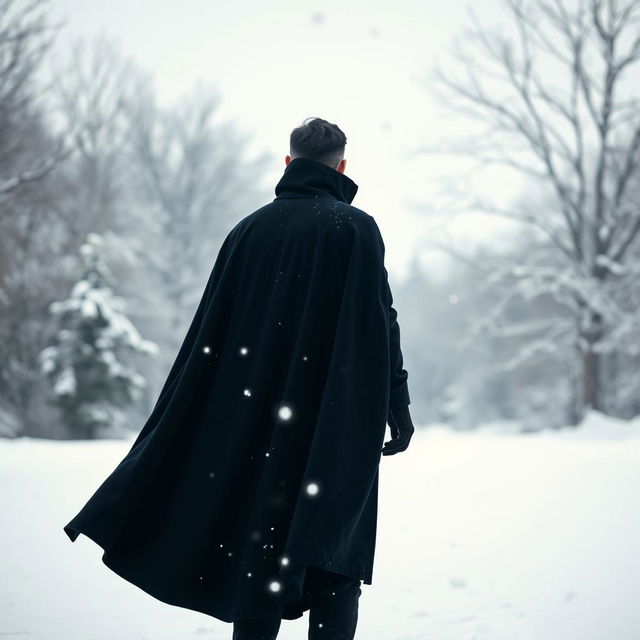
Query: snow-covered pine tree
[(90, 383)]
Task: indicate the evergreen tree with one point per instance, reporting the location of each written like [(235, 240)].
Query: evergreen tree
[(90, 382)]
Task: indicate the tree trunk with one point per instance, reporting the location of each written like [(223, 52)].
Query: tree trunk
[(575, 407), (592, 396)]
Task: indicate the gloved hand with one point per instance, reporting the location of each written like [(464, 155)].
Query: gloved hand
[(401, 431)]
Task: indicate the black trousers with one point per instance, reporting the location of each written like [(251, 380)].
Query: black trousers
[(333, 613)]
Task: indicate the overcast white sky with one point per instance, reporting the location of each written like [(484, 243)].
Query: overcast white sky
[(358, 63)]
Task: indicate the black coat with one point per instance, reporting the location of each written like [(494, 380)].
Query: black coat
[(261, 454)]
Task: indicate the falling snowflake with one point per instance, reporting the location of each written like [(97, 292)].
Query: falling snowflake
[(266, 455), (285, 412), (312, 488), (247, 392), (207, 349), (249, 574), (305, 358), (244, 351), (275, 586), (284, 561)]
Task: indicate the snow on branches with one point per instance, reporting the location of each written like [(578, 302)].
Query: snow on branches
[(85, 366)]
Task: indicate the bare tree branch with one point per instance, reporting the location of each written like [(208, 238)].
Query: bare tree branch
[(582, 135)]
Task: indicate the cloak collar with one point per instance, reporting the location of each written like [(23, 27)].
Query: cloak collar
[(305, 178)]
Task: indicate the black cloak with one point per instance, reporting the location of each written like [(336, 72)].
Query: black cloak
[(261, 455)]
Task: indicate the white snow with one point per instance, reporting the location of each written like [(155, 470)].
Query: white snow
[(613, 266), (66, 383), (487, 535), (48, 358)]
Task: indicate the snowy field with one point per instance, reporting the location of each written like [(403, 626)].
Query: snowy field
[(486, 535)]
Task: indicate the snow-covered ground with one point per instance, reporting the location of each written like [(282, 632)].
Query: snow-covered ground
[(485, 535)]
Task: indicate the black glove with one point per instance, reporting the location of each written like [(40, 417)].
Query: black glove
[(401, 431)]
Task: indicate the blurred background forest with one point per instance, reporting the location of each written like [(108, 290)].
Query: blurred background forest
[(113, 205)]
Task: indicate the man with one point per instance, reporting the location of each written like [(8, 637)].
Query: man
[(251, 492)]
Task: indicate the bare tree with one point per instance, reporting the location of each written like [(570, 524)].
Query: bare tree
[(25, 38), (558, 101), (29, 151), (92, 89), (192, 173)]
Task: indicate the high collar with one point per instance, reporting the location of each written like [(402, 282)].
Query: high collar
[(306, 178)]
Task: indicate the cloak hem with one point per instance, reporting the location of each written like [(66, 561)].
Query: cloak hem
[(292, 604)]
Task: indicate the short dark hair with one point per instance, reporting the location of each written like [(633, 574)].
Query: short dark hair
[(319, 140)]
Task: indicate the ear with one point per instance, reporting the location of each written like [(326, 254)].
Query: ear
[(342, 165), (287, 160)]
